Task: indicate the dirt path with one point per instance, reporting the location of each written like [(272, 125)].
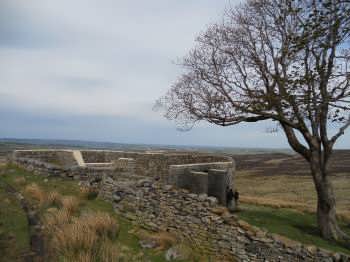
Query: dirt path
[(36, 237)]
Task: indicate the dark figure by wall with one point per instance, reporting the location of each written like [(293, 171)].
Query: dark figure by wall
[(231, 199), (229, 195)]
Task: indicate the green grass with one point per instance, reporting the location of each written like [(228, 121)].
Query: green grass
[(127, 240), (295, 225), (64, 186), (14, 232)]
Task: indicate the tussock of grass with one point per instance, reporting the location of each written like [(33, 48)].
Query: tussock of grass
[(35, 192), (121, 247), (53, 199), (88, 193), (109, 252), (73, 238), (20, 180), (51, 210), (70, 203), (81, 257), (102, 223), (83, 238), (55, 219)]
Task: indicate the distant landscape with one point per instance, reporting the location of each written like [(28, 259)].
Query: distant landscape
[(18, 143)]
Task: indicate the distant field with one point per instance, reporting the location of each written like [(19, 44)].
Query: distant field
[(287, 164), (282, 180), (7, 145)]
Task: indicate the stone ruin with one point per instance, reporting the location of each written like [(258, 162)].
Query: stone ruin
[(213, 179), (182, 193), (196, 172)]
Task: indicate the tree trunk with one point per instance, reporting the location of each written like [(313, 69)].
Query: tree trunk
[(326, 204)]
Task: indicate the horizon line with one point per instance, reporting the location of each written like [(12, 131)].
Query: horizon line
[(143, 144)]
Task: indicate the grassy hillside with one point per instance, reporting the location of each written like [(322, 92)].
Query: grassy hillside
[(277, 193), (65, 209), (14, 231), (297, 226)]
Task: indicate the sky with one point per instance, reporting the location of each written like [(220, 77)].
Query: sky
[(93, 69)]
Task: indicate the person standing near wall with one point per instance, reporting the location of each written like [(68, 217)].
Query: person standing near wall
[(232, 199)]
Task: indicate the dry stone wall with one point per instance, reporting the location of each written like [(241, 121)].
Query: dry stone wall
[(200, 220), (152, 164), (59, 158), (147, 198), (145, 164)]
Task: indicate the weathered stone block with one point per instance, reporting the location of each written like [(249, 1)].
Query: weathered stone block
[(198, 182), (218, 184)]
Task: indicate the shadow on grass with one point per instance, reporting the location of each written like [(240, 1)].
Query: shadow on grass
[(314, 231), (309, 230), (348, 227), (292, 224)]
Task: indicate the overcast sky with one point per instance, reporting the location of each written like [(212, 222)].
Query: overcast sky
[(92, 70)]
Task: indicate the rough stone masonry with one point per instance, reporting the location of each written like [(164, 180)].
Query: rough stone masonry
[(171, 192)]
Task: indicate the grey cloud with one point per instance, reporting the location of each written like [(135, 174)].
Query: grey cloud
[(19, 30), (92, 69), (80, 83), (154, 24)]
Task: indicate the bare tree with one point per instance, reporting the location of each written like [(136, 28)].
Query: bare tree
[(283, 60)]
